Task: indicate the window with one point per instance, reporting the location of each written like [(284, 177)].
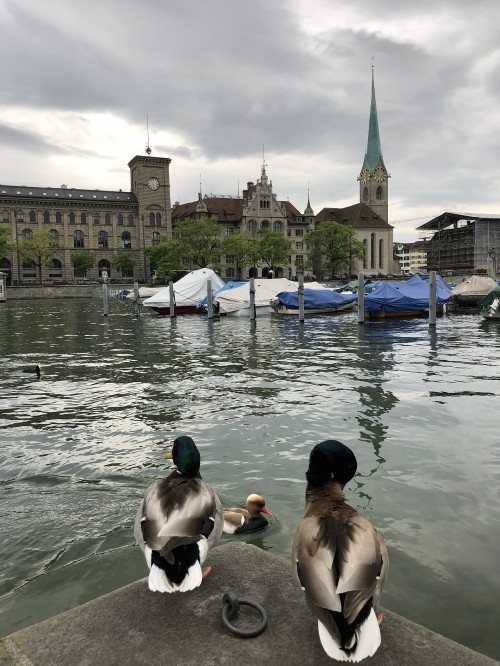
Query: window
[(151, 218), (83, 218), (32, 216), (265, 203), (230, 216), (299, 232), (299, 258), (365, 254), (252, 226), (228, 231), (104, 265), (299, 245), (126, 240), (380, 253), (46, 217), (365, 193), (96, 219), (230, 259), (378, 193), (78, 239), (72, 218), (27, 233), (155, 238), (130, 220), (54, 234), (278, 227), (19, 216), (107, 219), (5, 216), (158, 219), (58, 217), (230, 272), (265, 224), (120, 219), (372, 251), (29, 269), (288, 232), (55, 269), (102, 239)]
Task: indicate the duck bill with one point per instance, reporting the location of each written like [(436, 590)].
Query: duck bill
[(266, 511), (168, 456)]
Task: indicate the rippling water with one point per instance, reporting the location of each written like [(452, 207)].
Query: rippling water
[(80, 445)]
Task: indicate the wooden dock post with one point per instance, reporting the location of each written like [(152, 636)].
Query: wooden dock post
[(171, 299), (301, 297), (210, 305), (361, 299), (253, 312), (432, 298), (105, 293), (137, 300)]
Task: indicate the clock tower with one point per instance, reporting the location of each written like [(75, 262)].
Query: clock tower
[(150, 182), (374, 179)]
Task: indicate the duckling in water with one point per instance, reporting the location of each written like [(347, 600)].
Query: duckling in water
[(339, 559), (240, 521), (179, 520)]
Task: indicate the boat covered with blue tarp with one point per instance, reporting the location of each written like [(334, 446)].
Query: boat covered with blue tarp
[(316, 301), (409, 298), (232, 284)]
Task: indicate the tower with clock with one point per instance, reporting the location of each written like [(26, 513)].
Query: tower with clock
[(373, 178), (150, 183)]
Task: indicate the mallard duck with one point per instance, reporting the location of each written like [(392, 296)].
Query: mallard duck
[(339, 559), (239, 521), (179, 520)]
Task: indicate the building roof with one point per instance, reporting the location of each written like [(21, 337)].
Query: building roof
[(373, 149), (65, 193), (226, 208), (359, 216), (446, 219)]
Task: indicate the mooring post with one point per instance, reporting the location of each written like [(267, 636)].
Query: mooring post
[(137, 300), (301, 297), (432, 298), (361, 299), (253, 312), (105, 293), (3, 286), (171, 299), (210, 305)]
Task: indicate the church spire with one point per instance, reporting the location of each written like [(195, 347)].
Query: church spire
[(308, 211), (373, 149)]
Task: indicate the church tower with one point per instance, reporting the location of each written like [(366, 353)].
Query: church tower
[(374, 179)]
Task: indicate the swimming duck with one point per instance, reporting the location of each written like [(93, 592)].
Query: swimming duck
[(239, 521), (339, 559), (179, 520)]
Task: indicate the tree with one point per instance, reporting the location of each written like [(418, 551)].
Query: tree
[(39, 248), (83, 260), (4, 243), (199, 241), (165, 257), (244, 247), (274, 248), (335, 246), (123, 261)]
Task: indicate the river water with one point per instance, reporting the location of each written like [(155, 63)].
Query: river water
[(80, 444)]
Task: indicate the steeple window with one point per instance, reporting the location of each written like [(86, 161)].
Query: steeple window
[(378, 193), (365, 193)]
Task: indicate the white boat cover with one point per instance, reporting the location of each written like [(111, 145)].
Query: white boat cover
[(145, 292), (474, 286), (189, 290), (265, 290)]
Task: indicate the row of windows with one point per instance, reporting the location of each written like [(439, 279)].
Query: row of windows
[(252, 226), (372, 252), (29, 269), (153, 218)]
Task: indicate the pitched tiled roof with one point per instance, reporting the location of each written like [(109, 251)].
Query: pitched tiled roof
[(226, 209)]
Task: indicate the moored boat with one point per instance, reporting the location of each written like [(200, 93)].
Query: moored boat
[(316, 301), (489, 306), (469, 292), (188, 292), (406, 299)]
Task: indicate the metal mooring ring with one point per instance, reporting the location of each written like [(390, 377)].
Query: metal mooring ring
[(230, 609)]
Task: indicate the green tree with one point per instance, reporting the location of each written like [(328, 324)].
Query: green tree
[(335, 246), (4, 243), (123, 261), (244, 247), (199, 241), (83, 261), (274, 248), (39, 248), (164, 257)]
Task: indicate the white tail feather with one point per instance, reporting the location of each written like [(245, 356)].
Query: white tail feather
[(367, 634), (158, 580)]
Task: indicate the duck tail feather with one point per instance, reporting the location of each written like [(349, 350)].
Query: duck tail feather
[(368, 641)]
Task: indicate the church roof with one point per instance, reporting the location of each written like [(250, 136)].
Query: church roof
[(373, 149), (359, 216)]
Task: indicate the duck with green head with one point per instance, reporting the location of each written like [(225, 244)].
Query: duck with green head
[(179, 520), (339, 559)]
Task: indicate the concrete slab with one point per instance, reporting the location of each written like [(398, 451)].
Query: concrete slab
[(135, 626)]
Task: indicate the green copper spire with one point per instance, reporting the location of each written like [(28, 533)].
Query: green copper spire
[(308, 211), (373, 149)]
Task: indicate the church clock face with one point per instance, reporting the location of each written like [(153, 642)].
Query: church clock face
[(153, 183)]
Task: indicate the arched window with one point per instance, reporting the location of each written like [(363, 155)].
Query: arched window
[(365, 193), (58, 217), (54, 234), (96, 218), (72, 218), (252, 226), (102, 239), (107, 219), (158, 219), (378, 193), (27, 233), (78, 239), (278, 227), (32, 216), (5, 216), (126, 240), (104, 265), (372, 251), (151, 218), (130, 220), (83, 218), (19, 216), (29, 269), (365, 253), (120, 219), (265, 224), (155, 238), (381, 253), (46, 217), (55, 269)]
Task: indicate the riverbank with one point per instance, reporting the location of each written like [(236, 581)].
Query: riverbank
[(135, 626)]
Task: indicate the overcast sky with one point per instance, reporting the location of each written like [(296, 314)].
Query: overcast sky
[(220, 79)]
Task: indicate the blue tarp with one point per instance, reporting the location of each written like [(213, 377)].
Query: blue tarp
[(406, 296), (315, 298), (229, 285)]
